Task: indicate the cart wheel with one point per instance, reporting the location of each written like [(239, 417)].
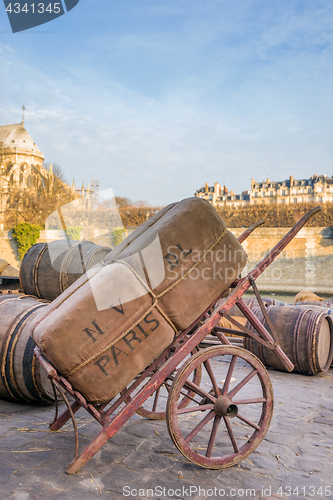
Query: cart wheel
[(160, 397), (231, 409)]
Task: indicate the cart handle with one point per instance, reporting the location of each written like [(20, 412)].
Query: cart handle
[(279, 247), (250, 230), (244, 284)]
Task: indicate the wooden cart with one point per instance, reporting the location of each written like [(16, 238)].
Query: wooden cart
[(220, 399)]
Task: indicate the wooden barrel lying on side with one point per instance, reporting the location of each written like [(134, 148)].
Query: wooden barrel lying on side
[(326, 306), (48, 269), (305, 335), (22, 377), (252, 303)]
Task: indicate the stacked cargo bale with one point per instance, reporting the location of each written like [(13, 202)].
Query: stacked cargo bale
[(115, 320)]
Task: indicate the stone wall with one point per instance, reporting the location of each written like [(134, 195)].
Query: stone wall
[(8, 249), (306, 263)]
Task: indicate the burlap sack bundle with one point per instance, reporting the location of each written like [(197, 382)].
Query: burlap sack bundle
[(113, 322)]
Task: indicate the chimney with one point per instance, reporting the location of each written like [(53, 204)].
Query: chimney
[(267, 181), (252, 183), (225, 190), (217, 188), (292, 181), (206, 187)]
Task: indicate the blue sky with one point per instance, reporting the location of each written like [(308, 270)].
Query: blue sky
[(155, 98)]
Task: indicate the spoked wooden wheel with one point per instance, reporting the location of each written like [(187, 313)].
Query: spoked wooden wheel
[(154, 407), (229, 412)]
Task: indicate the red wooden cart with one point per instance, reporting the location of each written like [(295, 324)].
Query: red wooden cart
[(220, 400)]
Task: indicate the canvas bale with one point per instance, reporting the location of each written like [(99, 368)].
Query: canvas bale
[(114, 321)]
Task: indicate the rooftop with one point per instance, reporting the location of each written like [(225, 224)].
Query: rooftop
[(16, 136)]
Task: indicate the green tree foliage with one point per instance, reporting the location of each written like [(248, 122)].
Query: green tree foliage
[(74, 232), (117, 235), (276, 215), (26, 235)]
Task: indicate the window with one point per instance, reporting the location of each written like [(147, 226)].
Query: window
[(264, 194), (283, 192), (301, 190), (256, 194), (283, 201), (295, 200), (320, 190), (320, 199), (210, 197), (309, 190), (271, 194)]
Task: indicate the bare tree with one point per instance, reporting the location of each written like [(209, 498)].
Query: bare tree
[(57, 170), (34, 204)]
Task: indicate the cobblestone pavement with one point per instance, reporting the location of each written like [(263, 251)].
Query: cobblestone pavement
[(295, 460)]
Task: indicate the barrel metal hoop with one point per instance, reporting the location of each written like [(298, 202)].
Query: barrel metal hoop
[(34, 270), (318, 320), (7, 371), (63, 275), (297, 329), (29, 373), (330, 354), (312, 342), (26, 258)]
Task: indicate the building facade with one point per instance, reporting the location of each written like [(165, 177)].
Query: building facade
[(21, 167), (316, 189)]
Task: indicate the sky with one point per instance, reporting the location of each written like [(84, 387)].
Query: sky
[(157, 97)]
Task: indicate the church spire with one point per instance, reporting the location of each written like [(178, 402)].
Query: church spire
[(23, 108)]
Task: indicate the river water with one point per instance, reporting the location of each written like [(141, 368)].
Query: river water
[(285, 297)]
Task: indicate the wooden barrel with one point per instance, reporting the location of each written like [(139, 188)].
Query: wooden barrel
[(50, 268), (252, 303), (304, 334), (326, 306), (22, 377)]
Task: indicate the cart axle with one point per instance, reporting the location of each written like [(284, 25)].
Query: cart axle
[(224, 407)]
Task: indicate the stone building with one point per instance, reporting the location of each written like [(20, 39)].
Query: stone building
[(21, 167), (21, 161), (317, 189)]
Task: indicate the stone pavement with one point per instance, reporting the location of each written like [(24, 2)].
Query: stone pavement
[(295, 460)]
